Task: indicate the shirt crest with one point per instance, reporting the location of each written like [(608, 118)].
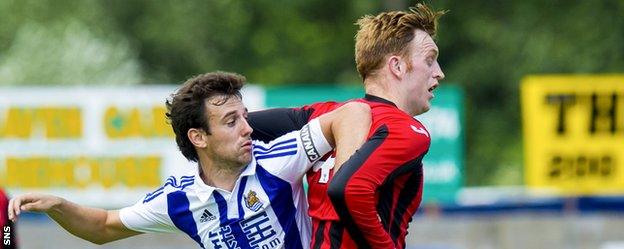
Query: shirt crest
[(252, 201)]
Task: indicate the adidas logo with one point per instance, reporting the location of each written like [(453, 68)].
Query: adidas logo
[(206, 216)]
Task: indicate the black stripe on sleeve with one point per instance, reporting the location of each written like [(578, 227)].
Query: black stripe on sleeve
[(336, 189), (272, 123), (407, 195), (385, 203), (319, 235), (387, 187), (335, 235)]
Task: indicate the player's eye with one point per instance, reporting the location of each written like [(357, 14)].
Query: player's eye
[(430, 61)]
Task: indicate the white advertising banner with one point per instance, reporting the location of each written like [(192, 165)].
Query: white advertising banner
[(97, 146)]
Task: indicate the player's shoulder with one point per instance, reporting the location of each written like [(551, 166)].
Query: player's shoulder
[(180, 182), (402, 127), (417, 127), (172, 184), (395, 118), (277, 149), (282, 142)]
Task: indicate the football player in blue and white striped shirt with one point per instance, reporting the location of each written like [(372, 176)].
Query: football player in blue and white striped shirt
[(244, 194)]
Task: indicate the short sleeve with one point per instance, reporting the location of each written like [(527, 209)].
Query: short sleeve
[(291, 155), (148, 216)]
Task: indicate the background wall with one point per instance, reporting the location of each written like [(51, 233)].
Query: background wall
[(486, 47)]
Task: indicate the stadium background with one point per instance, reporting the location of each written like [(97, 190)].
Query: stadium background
[(295, 49)]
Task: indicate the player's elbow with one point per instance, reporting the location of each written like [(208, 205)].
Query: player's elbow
[(108, 234), (99, 241), (356, 109), (355, 117), (100, 238)]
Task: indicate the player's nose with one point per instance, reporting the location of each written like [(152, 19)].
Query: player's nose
[(247, 130), (438, 74)]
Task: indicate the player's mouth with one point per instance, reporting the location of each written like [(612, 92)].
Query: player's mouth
[(247, 145), (431, 90)]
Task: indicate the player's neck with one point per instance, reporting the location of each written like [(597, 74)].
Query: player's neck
[(388, 91), (219, 176)]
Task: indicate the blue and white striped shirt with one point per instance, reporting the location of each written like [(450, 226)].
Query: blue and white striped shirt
[(266, 209)]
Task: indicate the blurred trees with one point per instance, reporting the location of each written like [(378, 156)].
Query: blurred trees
[(272, 42), (486, 46), (63, 42)]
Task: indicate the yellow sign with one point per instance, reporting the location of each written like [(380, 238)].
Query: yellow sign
[(53, 122), (87, 143), (82, 172), (136, 122), (574, 133)]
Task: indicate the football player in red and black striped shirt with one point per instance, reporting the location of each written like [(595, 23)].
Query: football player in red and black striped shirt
[(370, 200)]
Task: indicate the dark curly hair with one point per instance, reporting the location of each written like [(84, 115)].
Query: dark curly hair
[(186, 107)]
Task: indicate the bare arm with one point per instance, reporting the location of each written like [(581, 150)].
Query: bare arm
[(346, 129), (92, 224)]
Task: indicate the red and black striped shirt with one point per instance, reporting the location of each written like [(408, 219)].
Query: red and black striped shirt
[(370, 201)]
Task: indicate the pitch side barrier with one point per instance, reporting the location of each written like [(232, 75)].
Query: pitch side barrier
[(568, 205), (557, 205)]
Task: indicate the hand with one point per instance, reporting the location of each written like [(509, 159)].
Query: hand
[(32, 202)]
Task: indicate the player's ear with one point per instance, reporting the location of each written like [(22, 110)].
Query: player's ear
[(396, 66), (197, 137)]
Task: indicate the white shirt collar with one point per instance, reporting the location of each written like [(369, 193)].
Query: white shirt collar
[(204, 191), (250, 169)]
